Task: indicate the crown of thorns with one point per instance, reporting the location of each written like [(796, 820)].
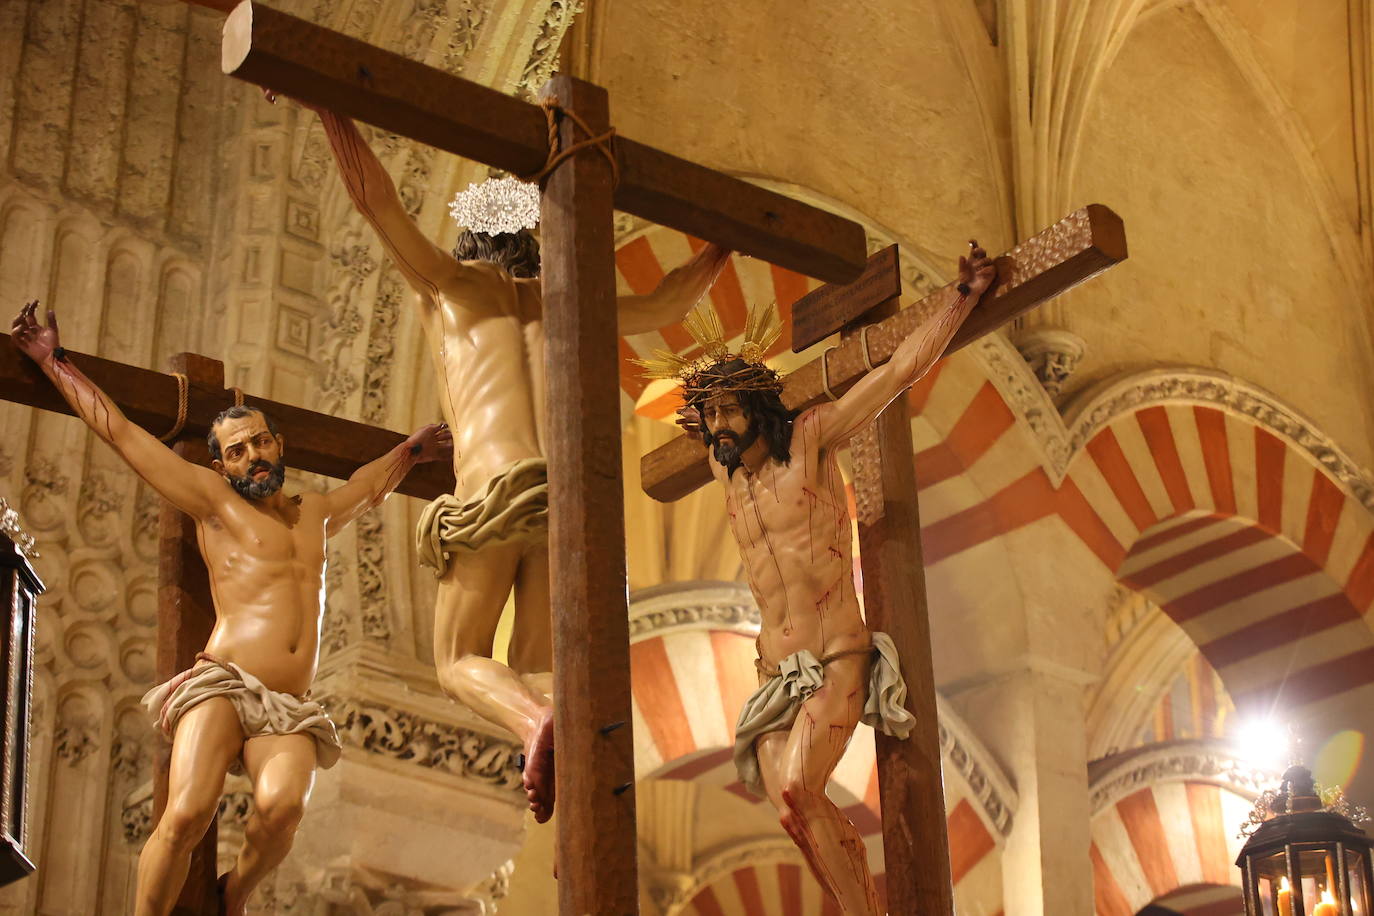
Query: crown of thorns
[(706, 372)]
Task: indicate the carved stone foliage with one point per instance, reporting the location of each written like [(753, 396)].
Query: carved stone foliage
[(544, 53), (1206, 761), (405, 736), (1052, 354), (1019, 388), (74, 742), (1201, 386)]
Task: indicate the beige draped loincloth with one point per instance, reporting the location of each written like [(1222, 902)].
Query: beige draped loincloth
[(513, 505), (774, 706), (262, 711)]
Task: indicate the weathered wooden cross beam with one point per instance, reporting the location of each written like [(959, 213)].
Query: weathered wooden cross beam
[(315, 442), (353, 78), (1079, 246)]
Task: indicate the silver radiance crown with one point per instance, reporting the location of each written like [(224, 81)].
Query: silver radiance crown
[(497, 205)]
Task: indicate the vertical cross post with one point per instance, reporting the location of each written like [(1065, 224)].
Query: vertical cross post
[(591, 640), (915, 844), (185, 617)]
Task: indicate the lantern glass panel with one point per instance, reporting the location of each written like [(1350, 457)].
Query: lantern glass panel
[(1359, 893)]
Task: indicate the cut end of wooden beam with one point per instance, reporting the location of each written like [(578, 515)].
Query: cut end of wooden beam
[(238, 37)]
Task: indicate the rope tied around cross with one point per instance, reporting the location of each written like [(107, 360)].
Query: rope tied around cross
[(184, 402), (603, 143)]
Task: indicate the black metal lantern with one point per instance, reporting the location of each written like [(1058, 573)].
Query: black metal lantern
[(19, 588), (1305, 859)]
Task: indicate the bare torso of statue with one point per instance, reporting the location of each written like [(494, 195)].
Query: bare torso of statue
[(485, 335), (791, 521), (267, 581)]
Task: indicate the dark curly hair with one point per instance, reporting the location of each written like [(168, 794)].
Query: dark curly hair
[(515, 252), (762, 406)]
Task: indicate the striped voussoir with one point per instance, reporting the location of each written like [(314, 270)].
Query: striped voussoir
[(1171, 841)]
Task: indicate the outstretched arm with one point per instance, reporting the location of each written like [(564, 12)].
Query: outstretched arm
[(191, 488), (374, 194), (912, 359), (679, 290), (371, 483)]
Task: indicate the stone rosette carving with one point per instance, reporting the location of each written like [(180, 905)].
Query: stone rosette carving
[(1209, 761), (1202, 386), (380, 729)]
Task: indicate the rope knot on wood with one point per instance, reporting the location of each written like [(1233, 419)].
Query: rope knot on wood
[(604, 143)]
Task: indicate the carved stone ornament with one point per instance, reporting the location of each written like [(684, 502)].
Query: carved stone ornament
[(1022, 392), (9, 524), (662, 609), (1052, 354), (964, 753), (544, 52), (1207, 760), (1202, 386), (379, 729)]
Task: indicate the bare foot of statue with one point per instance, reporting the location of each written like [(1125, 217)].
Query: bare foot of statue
[(538, 777)]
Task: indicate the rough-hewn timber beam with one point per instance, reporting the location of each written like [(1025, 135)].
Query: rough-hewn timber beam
[(1081, 245), (323, 67), (315, 442)]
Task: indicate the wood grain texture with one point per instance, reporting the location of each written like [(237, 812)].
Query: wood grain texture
[(185, 617), (910, 784), (1080, 246), (315, 442), (312, 63), (591, 634), (828, 308)]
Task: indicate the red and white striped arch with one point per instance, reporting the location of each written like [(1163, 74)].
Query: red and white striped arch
[(1244, 540), (687, 687), (643, 260), (1160, 839)]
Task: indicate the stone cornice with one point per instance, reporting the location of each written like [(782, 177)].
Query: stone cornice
[(1211, 761)]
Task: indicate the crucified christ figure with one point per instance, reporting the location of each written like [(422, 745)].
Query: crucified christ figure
[(246, 700), (821, 670), (482, 310)]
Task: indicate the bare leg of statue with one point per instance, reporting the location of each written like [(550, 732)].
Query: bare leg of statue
[(282, 768), (472, 593), (796, 765), (207, 740)]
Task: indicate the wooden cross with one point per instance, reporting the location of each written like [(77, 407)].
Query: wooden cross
[(1088, 241), (319, 443), (595, 774)]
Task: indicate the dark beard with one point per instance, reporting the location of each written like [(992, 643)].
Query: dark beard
[(249, 488), (730, 453)]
